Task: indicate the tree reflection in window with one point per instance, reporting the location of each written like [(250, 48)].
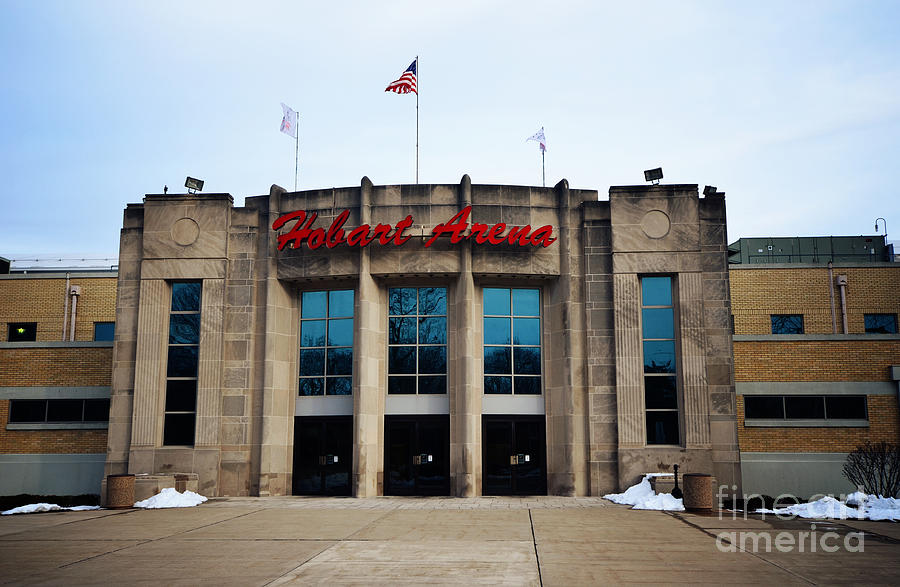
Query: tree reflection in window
[(512, 341), (880, 323), (787, 323), (326, 342), (417, 340)]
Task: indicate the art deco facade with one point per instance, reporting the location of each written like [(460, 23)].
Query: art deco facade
[(424, 339), (438, 358)]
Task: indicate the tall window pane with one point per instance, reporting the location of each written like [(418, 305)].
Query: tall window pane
[(182, 363), (326, 342), (512, 341), (417, 340), (660, 365)]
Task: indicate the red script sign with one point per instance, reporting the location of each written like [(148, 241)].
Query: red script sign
[(386, 234)]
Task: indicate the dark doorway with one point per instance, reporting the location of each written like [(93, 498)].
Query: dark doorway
[(323, 454), (417, 455), (514, 455)]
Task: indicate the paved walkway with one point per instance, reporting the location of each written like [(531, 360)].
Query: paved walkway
[(490, 541)]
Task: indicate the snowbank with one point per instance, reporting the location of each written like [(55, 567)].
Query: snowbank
[(868, 507), (170, 498), (882, 508), (47, 507), (827, 507), (642, 497)]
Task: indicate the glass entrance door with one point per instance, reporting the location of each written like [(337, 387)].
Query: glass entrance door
[(417, 455), (514, 455), (322, 455)]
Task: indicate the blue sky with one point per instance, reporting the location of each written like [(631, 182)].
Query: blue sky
[(791, 108)]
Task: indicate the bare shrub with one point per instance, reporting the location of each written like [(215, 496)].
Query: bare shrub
[(875, 466)]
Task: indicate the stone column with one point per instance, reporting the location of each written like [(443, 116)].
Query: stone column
[(121, 408), (465, 393), (369, 368), (279, 376), (601, 355), (716, 295), (149, 373), (566, 420), (209, 386), (629, 370), (693, 361), (209, 376)]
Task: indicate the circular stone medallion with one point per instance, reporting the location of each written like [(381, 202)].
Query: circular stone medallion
[(185, 231), (656, 224)]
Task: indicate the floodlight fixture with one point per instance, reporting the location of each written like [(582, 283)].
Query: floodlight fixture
[(883, 222), (193, 185), (653, 175), (710, 190)]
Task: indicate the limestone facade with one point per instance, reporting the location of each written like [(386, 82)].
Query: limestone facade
[(591, 400)]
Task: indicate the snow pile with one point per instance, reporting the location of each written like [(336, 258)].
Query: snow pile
[(47, 507), (869, 507), (856, 498), (660, 501), (170, 498), (642, 497), (882, 508), (827, 507)]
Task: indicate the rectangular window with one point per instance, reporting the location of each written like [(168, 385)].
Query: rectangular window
[(37, 411), (512, 341), (104, 330), (787, 323), (417, 340), (805, 407), (326, 342), (881, 323), (660, 364), (22, 332), (182, 364)]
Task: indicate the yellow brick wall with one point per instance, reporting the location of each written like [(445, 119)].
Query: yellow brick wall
[(757, 293), (815, 360), (48, 441), (884, 424), (42, 300), (76, 367)]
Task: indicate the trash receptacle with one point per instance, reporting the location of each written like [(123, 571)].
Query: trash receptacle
[(119, 491), (698, 494)]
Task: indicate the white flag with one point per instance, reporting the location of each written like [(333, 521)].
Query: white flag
[(539, 137), (289, 121)]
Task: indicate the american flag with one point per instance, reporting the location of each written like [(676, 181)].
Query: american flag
[(407, 82)]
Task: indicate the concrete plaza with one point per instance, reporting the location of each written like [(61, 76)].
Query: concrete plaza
[(492, 541)]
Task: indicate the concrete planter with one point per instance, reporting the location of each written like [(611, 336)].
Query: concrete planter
[(698, 492), (119, 491)]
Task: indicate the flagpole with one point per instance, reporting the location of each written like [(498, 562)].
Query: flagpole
[(297, 154), (543, 170), (417, 119)]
